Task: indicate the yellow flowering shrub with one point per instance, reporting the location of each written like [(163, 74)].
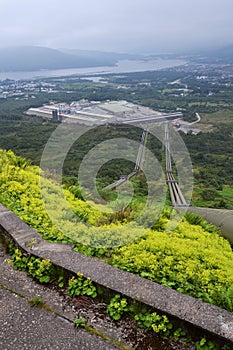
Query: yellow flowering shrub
[(189, 259)]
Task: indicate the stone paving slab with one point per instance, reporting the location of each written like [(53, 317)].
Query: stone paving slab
[(26, 327)]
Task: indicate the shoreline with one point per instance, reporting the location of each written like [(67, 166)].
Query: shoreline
[(122, 66)]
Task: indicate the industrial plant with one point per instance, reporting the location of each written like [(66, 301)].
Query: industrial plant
[(99, 112)]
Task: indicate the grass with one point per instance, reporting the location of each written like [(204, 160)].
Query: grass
[(210, 104), (36, 301), (226, 194), (221, 117)]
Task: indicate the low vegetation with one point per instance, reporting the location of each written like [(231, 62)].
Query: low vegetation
[(192, 259), (189, 259), (118, 306)]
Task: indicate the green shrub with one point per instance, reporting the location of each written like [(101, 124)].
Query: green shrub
[(81, 286), (40, 269), (203, 344), (179, 333), (188, 259), (36, 301), (226, 297), (159, 324), (79, 322), (18, 258), (118, 307)]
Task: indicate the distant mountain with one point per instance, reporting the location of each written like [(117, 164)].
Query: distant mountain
[(102, 55), (221, 55), (224, 54), (33, 58)]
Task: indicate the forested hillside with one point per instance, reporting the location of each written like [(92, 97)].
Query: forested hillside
[(34, 58)]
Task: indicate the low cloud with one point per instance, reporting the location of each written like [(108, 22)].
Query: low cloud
[(131, 25)]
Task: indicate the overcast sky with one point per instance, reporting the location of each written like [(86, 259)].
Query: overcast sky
[(117, 25)]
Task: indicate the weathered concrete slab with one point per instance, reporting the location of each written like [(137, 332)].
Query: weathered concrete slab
[(15, 228), (202, 315), (24, 327)]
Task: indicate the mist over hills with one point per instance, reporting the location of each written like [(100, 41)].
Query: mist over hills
[(102, 55), (222, 55), (33, 58)]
